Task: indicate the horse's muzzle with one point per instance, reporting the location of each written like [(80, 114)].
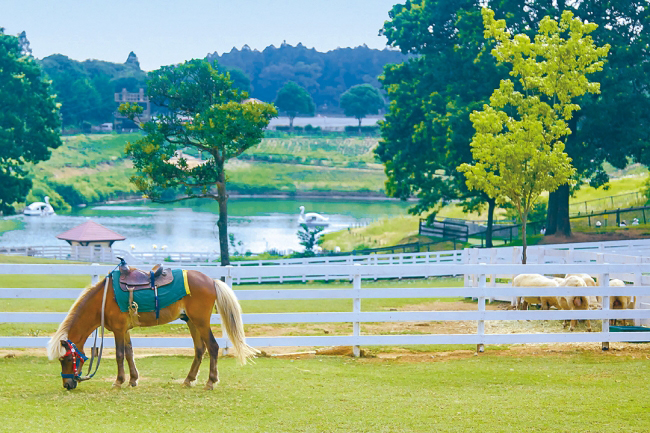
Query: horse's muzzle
[(69, 384)]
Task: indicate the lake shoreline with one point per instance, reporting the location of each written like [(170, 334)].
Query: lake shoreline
[(339, 196)]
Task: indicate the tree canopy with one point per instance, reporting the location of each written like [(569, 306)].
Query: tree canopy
[(293, 100), (326, 76), (427, 130), (518, 147), (450, 73), (29, 120), (86, 90), (361, 100), (203, 112)]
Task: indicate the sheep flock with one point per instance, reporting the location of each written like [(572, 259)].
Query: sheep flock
[(569, 302)]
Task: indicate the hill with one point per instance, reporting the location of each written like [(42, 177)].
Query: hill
[(92, 168), (325, 75)]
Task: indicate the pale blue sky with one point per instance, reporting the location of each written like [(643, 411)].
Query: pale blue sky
[(163, 32)]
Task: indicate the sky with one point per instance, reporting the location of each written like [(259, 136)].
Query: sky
[(164, 32)]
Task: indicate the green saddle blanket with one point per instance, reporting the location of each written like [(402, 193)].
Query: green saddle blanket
[(145, 299)]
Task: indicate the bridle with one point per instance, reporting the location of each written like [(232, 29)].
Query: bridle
[(78, 358)]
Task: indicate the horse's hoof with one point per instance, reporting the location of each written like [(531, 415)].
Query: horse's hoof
[(117, 385), (133, 383), (188, 384), (209, 386)]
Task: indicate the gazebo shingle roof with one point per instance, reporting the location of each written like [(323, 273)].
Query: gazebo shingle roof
[(90, 231)]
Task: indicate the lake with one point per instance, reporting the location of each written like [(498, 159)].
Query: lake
[(259, 223)]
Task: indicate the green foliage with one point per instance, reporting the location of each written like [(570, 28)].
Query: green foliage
[(293, 100), (518, 145), (29, 121), (361, 100), (309, 238), (204, 113), (324, 75), (86, 89), (450, 73)]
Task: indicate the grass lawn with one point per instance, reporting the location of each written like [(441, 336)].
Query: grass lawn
[(575, 392), (8, 225)]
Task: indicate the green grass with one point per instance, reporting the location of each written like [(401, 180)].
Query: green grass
[(93, 168), (8, 225), (580, 392)]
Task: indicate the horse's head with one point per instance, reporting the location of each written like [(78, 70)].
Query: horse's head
[(72, 360)]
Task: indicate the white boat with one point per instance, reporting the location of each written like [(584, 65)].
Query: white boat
[(39, 208), (312, 219)]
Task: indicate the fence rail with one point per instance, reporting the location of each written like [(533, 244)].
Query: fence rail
[(477, 286)]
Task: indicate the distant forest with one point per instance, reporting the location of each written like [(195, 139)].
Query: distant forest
[(86, 89), (325, 75)]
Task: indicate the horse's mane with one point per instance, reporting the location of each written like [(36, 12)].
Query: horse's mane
[(54, 347)]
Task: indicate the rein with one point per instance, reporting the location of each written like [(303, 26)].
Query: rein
[(78, 358)]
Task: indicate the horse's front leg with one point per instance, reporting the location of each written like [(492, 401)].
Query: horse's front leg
[(133, 371), (119, 358)]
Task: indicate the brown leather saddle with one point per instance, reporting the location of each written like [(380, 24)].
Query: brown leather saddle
[(137, 279)]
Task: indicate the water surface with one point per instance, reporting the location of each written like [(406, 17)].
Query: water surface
[(259, 223)]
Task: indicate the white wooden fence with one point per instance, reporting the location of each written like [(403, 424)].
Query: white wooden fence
[(476, 275)]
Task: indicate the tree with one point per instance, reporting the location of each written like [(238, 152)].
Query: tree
[(309, 238), (202, 112), (361, 100), (294, 100), (450, 73), (519, 140), (427, 131), (614, 125), (29, 120)]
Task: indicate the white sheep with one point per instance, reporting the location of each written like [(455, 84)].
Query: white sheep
[(595, 302), (574, 302), (535, 280), (619, 302)]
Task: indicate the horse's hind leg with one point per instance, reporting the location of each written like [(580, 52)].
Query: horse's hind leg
[(199, 350), (213, 350), (133, 371)]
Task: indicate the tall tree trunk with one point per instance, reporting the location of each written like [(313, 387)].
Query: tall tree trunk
[(359, 125), (222, 224), (551, 213), (490, 222), (291, 123), (523, 238), (563, 221)]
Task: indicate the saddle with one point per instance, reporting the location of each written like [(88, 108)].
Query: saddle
[(132, 279), (137, 279)]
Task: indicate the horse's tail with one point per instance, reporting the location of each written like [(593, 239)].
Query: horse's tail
[(230, 313)]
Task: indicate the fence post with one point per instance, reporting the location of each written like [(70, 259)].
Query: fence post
[(481, 308), (603, 281), (224, 335), (637, 282), (493, 277), (356, 309), (94, 279)]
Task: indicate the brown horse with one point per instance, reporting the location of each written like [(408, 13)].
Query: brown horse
[(85, 316)]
